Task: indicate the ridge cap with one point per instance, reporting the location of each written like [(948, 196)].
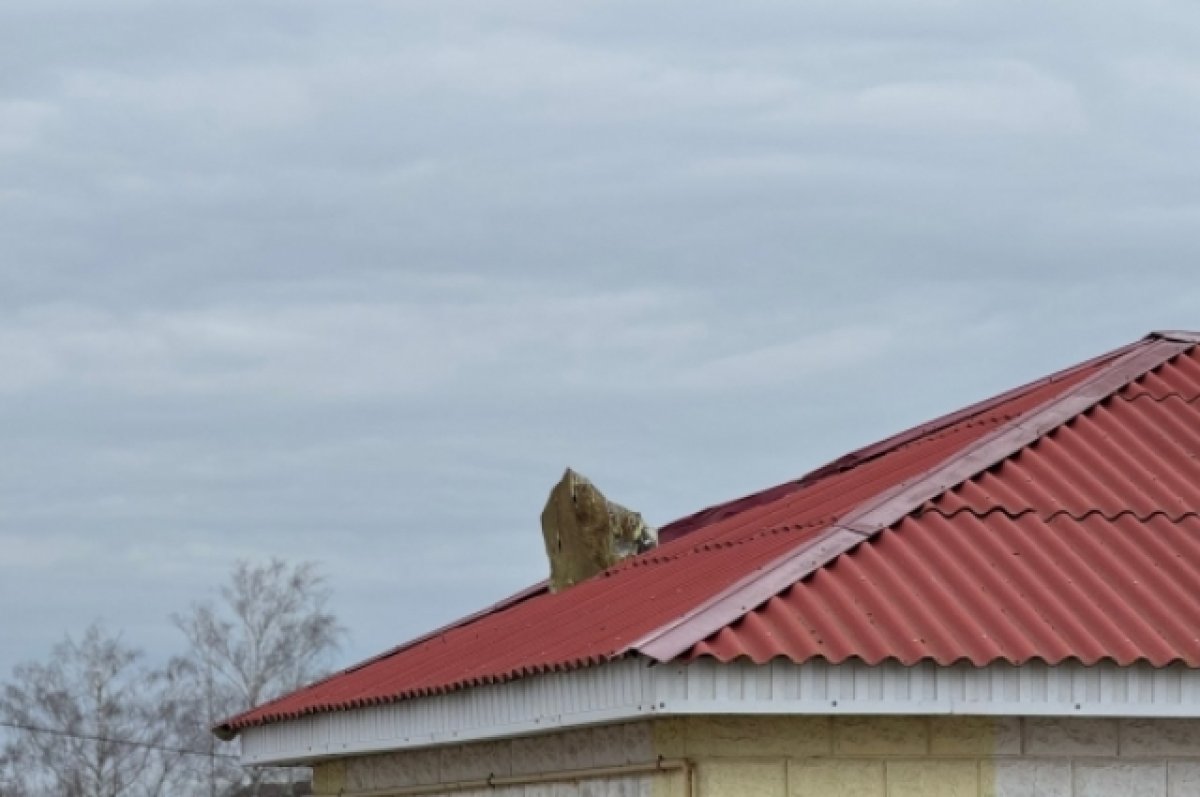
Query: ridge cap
[(1176, 335), (888, 506), (681, 527)]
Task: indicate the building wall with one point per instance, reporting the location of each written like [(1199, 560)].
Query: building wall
[(587, 748), (763, 756)]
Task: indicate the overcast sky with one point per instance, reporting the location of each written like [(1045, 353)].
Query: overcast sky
[(354, 281)]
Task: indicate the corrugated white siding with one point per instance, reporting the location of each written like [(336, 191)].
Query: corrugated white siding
[(781, 687), (631, 689), (616, 691)]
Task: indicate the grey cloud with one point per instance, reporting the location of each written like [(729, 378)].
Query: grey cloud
[(355, 281)]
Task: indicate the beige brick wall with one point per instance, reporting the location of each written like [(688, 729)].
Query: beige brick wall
[(601, 746), (937, 756), (739, 756)]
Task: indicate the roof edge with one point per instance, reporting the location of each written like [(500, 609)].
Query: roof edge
[(228, 729), (891, 506), (851, 687)]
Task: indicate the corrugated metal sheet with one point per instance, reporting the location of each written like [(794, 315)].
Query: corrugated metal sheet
[(989, 588), (1084, 545), (1138, 451), (896, 501), (724, 546)]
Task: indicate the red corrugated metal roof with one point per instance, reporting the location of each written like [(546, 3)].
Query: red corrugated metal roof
[(991, 587), (1003, 531), (1083, 545)]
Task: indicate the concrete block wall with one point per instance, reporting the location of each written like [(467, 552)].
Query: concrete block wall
[(937, 756), (586, 748), (763, 756)]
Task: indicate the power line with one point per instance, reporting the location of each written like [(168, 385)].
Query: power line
[(130, 742)]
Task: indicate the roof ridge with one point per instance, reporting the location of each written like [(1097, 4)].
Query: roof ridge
[(1177, 335), (860, 456), (889, 506)]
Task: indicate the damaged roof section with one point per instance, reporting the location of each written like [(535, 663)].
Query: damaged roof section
[(1055, 522)]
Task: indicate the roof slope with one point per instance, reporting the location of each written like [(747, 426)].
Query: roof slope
[(1055, 521)]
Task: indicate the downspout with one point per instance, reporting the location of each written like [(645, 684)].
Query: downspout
[(661, 765)]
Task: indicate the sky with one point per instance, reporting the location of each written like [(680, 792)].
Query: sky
[(353, 282)]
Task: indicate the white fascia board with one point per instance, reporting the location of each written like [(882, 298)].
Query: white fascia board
[(614, 692), (631, 689)]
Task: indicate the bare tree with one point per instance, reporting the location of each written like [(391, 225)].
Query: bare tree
[(13, 783), (90, 722), (270, 633), (94, 721)]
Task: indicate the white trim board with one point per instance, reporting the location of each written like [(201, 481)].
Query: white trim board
[(631, 689)]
